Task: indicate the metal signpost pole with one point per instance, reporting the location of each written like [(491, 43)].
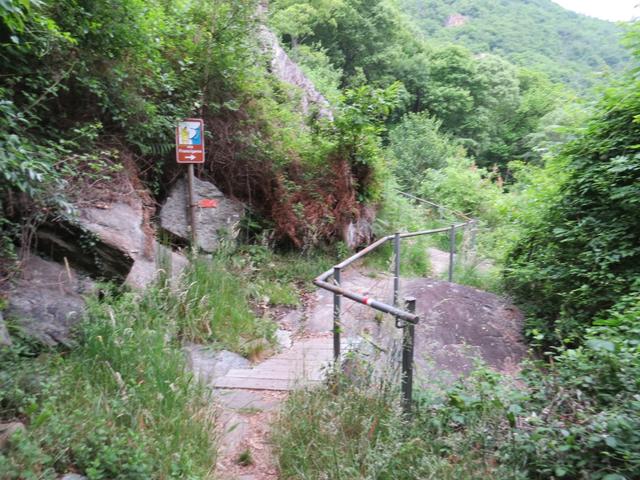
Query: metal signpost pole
[(452, 250), (192, 207), (190, 150)]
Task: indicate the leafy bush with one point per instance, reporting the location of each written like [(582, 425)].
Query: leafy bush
[(584, 254), (462, 186), (581, 418), (417, 145)]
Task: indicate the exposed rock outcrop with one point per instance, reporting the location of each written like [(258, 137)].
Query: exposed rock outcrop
[(286, 70), (360, 231), (109, 242), (213, 224), (121, 226), (458, 325), (455, 20), (47, 301)]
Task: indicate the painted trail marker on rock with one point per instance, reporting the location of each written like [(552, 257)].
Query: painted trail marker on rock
[(208, 203), (190, 150)]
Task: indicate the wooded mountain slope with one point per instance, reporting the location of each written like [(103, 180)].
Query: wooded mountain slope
[(569, 47)]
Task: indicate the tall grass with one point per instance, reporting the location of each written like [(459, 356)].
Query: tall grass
[(122, 405), (213, 305), (484, 276), (119, 406), (358, 431)]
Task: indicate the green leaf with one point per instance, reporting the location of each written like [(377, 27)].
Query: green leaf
[(597, 344)]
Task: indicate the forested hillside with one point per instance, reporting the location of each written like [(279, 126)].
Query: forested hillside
[(537, 34)]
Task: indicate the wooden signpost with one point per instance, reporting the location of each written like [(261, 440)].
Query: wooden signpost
[(190, 150)]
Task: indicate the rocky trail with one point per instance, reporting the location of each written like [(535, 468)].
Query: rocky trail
[(458, 325)]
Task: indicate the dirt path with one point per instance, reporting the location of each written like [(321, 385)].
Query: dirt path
[(459, 325)]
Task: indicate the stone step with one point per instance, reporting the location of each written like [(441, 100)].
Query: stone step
[(260, 383), (290, 374), (306, 355), (305, 363)]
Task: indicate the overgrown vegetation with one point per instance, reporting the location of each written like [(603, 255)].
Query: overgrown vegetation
[(361, 432), (487, 103), (583, 254), (567, 231), (119, 405), (89, 88)]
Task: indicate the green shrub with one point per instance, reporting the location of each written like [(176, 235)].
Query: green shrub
[(583, 253), (357, 430), (416, 146), (464, 187), (581, 419)]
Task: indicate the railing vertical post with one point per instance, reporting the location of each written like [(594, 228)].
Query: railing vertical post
[(474, 230), (396, 269), (452, 250), (337, 301), (408, 338)]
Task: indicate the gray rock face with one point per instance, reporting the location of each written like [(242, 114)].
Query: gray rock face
[(66, 239), (213, 224), (47, 301), (7, 430), (5, 339), (110, 242), (286, 70), (208, 365), (121, 227), (360, 232), (73, 476)]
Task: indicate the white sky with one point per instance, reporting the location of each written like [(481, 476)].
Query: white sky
[(605, 9)]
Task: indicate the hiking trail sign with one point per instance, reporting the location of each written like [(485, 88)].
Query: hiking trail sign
[(190, 141)]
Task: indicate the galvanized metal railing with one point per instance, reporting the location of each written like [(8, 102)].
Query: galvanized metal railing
[(406, 318)]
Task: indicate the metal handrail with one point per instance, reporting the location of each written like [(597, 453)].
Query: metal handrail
[(434, 205), (409, 316)]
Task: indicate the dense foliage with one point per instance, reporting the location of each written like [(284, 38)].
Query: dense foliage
[(565, 223), (468, 121), (84, 83), (584, 253), (537, 34), (486, 102)]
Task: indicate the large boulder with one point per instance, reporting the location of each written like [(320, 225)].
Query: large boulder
[(213, 224), (121, 226), (47, 300), (110, 241)]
